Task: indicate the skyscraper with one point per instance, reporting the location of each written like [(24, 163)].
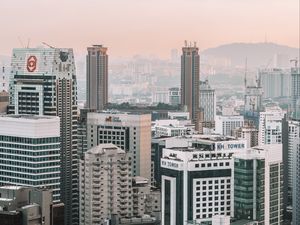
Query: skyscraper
[(295, 87), (190, 76), (96, 77), (43, 82)]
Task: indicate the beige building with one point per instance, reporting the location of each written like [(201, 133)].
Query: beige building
[(130, 132), (97, 77), (105, 184), (4, 100)]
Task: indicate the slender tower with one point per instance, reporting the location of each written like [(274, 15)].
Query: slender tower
[(190, 77), (43, 82), (96, 77)]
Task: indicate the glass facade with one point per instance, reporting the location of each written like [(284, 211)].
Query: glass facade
[(31, 162)]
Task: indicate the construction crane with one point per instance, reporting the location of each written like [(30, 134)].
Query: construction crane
[(295, 61), (50, 46), (245, 77)]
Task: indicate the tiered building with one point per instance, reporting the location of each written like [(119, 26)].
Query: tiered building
[(43, 82), (105, 184)]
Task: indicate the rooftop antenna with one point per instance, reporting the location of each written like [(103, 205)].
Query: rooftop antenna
[(295, 61), (3, 78), (185, 43), (245, 78), (22, 45), (50, 46), (28, 42)]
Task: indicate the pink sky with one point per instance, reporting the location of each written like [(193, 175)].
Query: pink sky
[(130, 27)]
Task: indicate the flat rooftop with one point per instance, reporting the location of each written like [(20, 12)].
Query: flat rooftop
[(25, 116)]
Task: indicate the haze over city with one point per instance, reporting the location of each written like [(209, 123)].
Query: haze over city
[(150, 112), (147, 27)]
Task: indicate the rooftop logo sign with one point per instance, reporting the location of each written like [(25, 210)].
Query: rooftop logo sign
[(31, 63)]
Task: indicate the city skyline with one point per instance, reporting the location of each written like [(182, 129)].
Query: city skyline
[(150, 27)]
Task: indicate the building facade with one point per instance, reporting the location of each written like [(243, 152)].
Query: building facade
[(207, 101), (105, 184), (130, 132), (174, 96), (4, 100), (43, 82), (225, 125), (258, 184), (275, 82), (248, 132), (97, 77), (295, 87), (30, 152), (23, 206), (197, 182), (190, 77), (270, 126)]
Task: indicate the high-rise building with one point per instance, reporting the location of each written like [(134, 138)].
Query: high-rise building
[(97, 77), (258, 188), (275, 82), (174, 96), (105, 184), (270, 126), (295, 147), (197, 182), (295, 87), (207, 101), (225, 125), (190, 77), (30, 152), (43, 82), (22, 205), (130, 132)]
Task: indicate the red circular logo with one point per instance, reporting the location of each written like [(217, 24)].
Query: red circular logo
[(31, 63)]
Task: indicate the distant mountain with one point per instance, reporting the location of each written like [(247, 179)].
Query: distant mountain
[(258, 54)]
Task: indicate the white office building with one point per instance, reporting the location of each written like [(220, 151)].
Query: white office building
[(225, 125), (270, 126), (197, 182), (30, 152)]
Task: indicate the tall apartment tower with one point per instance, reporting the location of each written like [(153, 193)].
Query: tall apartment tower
[(270, 126), (43, 82), (105, 184), (258, 188), (190, 77), (97, 77), (130, 132), (208, 104), (295, 147), (24, 155), (295, 87)]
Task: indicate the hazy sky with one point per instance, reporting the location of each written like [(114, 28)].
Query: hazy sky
[(130, 27)]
